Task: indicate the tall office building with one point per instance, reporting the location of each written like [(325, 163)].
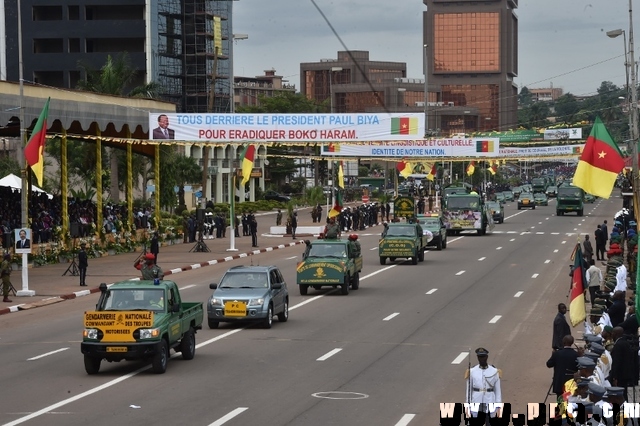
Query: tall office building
[(472, 56), (184, 45)]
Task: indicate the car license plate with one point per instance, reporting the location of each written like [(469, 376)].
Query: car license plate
[(235, 309), (525, 202), (116, 349)]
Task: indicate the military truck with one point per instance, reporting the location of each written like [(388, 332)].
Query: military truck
[(569, 199), (140, 320), (403, 240), (329, 262), (467, 212), (539, 184)]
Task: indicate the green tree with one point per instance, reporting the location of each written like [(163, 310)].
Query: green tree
[(525, 98), (566, 107), (185, 170), (8, 165)]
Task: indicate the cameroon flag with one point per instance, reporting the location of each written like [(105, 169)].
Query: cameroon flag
[(432, 173), (404, 126), (247, 163), (337, 207), (404, 168), (34, 150), (577, 310), (471, 168), (331, 147), (600, 162), (484, 146)]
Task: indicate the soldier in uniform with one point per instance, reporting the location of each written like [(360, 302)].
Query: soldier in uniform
[(149, 270), (483, 386), (5, 273)]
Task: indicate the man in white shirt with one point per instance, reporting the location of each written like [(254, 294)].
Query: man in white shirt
[(621, 279), (594, 279)]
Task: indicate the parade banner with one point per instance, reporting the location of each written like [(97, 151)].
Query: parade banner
[(446, 148), (285, 127)]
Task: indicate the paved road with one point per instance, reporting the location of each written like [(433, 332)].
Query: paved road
[(384, 354)]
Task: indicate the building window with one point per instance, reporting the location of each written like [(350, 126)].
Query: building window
[(74, 13), (46, 13)]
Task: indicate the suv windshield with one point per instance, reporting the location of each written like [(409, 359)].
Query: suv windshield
[(245, 280)]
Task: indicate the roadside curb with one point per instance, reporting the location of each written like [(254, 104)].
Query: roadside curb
[(74, 295)]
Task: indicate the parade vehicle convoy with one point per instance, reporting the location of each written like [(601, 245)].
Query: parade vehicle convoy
[(403, 240), (140, 320), (467, 213), (526, 200), (540, 199), (570, 199), (329, 262), (497, 211), (434, 223), (249, 293), (539, 184)]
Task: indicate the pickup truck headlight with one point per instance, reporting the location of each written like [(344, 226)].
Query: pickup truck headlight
[(215, 302), (149, 333), (256, 302), (90, 333)]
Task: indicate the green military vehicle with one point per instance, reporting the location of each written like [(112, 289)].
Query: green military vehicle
[(569, 199), (467, 212), (539, 184), (329, 262), (403, 240), (140, 320)]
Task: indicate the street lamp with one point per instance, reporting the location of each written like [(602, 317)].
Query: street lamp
[(426, 91), (333, 69)]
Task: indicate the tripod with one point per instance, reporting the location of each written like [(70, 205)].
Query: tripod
[(73, 267), (201, 246)]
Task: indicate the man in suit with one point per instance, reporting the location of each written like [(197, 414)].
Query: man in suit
[(563, 362), (23, 242), (162, 131), (83, 263), (621, 373), (560, 327)]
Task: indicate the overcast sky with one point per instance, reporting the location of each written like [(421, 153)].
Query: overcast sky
[(561, 42)]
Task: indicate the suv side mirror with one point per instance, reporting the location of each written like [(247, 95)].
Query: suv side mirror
[(175, 307), (213, 286), (276, 286)]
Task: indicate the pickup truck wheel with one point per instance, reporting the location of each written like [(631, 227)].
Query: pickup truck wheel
[(414, 260), (268, 321), (188, 344), (284, 315), (439, 245), (303, 289), (383, 260), (444, 242), (91, 364), (345, 285), (421, 255), (213, 324), (159, 362), (355, 282)]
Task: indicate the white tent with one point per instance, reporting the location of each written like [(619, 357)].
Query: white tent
[(13, 181)]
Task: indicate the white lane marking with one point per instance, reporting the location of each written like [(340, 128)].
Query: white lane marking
[(555, 233), (495, 319), (433, 290), (522, 233), (222, 420), (127, 376), (460, 358), (533, 227), (187, 286), (481, 259), (461, 272), (404, 421), (564, 242), (539, 233), (498, 248), (512, 232), (292, 257), (555, 251), (518, 294), (392, 316), (372, 249), (513, 239), (534, 276), (329, 354), (47, 354), (547, 261)]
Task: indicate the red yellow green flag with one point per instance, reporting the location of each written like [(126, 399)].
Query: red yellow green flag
[(404, 168), (471, 168), (493, 167), (337, 207), (600, 162), (432, 173), (404, 126), (247, 163), (340, 176), (34, 150), (577, 310)]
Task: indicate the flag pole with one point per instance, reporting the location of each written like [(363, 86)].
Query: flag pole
[(22, 161), (232, 213), (634, 115)]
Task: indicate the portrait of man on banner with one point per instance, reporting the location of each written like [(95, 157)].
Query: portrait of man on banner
[(23, 240)]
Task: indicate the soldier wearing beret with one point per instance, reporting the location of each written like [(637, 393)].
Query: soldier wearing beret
[(483, 386), (146, 266)]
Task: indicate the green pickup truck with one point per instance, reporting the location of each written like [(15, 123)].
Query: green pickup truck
[(329, 262), (406, 240), (137, 320)]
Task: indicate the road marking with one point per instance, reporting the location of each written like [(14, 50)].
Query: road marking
[(533, 227), (513, 239), (460, 358), (564, 242), (433, 290), (495, 319), (539, 223), (498, 248), (187, 286), (329, 354), (461, 272), (539, 233), (547, 261), (555, 251), (404, 421), (222, 420), (555, 233), (392, 316), (372, 249), (534, 276), (518, 294), (292, 257), (481, 259), (47, 354)]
